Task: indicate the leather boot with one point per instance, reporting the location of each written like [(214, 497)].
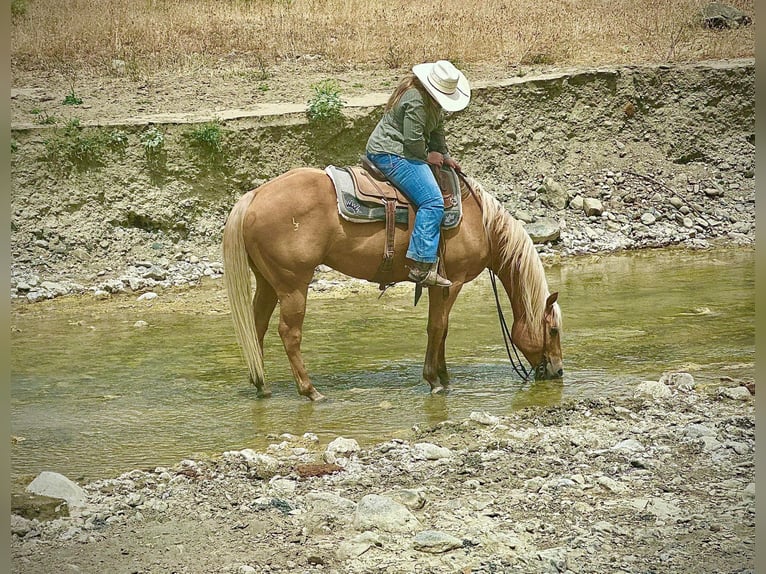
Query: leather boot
[(426, 274)]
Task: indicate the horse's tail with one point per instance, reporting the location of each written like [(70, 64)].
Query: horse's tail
[(236, 275)]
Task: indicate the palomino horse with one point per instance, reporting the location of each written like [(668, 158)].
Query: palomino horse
[(284, 229)]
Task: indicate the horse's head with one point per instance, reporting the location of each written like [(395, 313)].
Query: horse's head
[(542, 352)]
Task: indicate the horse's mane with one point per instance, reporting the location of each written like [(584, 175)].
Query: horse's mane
[(517, 255)]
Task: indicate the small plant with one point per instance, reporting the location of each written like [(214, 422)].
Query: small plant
[(153, 141), (74, 147), (42, 117), (206, 137), (117, 139), (18, 8), (71, 99), (264, 87), (325, 104)]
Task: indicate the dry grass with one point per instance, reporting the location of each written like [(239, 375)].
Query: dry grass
[(154, 35)]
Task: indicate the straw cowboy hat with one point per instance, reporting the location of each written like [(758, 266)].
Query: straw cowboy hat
[(445, 83)]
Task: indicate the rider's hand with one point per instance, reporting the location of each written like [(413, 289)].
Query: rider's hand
[(435, 158), (449, 162)]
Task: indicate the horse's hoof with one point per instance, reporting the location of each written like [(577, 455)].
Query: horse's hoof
[(316, 396), (438, 390), (264, 394)]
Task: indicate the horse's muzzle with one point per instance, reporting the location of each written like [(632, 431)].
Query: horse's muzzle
[(547, 374)]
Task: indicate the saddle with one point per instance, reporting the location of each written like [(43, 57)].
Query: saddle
[(372, 186), (364, 195)]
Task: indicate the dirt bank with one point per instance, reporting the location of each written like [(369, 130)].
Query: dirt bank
[(668, 152)]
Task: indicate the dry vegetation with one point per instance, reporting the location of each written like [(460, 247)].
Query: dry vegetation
[(84, 36)]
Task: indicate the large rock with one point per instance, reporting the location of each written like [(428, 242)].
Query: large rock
[(57, 485), (375, 512), (719, 15), (436, 542), (552, 194), (592, 206), (543, 230)]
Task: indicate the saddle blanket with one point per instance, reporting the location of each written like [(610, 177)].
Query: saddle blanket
[(351, 208)]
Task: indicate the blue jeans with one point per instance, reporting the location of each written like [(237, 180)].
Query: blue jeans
[(415, 179)]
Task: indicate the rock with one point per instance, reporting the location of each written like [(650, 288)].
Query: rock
[(524, 215), (552, 193), (57, 485), (629, 445), (696, 430), (484, 418), (718, 15), (435, 542), (262, 465), (428, 451), (576, 203), (343, 447), (281, 487), (409, 497), (327, 512), (648, 218), (611, 485), (680, 380), (735, 393), (382, 513), (20, 526), (592, 206), (34, 506), (358, 545), (653, 389), (543, 230), (148, 296), (660, 508), (140, 324)]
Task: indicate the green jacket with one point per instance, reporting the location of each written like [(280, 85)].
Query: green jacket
[(410, 129)]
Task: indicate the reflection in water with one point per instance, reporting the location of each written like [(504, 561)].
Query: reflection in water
[(93, 396), (539, 394)]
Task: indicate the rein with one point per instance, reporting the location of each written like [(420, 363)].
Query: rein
[(516, 363)]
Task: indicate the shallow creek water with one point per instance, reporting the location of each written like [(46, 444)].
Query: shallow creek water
[(97, 396)]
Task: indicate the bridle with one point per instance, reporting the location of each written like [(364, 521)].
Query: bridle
[(518, 365), (539, 370)]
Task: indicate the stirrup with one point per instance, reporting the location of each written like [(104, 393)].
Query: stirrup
[(428, 278)]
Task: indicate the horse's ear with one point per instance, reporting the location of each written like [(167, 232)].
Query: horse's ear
[(551, 300)]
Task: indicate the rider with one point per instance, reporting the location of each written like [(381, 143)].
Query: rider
[(408, 139)]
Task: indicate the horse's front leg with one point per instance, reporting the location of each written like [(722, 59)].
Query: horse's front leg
[(292, 310), (435, 365)]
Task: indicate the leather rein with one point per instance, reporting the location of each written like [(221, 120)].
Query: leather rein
[(510, 347)]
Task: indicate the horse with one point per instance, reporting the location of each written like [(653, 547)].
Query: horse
[(281, 231)]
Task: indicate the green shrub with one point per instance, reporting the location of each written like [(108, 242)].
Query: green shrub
[(153, 141), (71, 99), (325, 104), (18, 8), (206, 137), (74, 147)]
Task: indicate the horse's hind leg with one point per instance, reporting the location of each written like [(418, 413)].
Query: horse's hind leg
[(292, 310), (264, 302)]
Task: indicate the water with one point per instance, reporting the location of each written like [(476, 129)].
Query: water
[(93, 396)]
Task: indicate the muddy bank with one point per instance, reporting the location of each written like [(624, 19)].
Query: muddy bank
[(592, 160), (663, 483)]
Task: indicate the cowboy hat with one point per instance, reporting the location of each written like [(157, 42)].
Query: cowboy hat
[(448, 85)]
